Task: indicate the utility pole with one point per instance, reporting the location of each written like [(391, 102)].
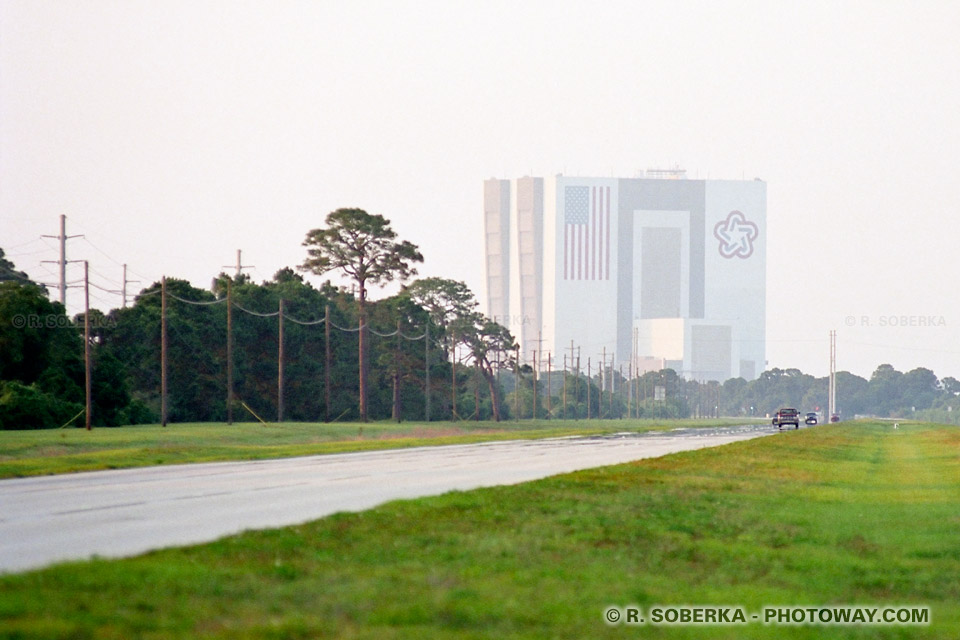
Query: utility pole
[(635, 387), (549, 384), (613, 382), (163, 351), (453, 369), (576, 385), (516, 382), (603, 371), (63, 237), (125, 281), (498, 387), (538, 352), (832, 391), (589, 384), (564, 386), (476, 392), (229, 352), (534, 415), (620, 403), (327, 364), (280, 364), (86, 340), (396, 376), (239, 266), (426, 366)]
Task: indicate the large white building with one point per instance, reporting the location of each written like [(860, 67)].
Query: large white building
[(660, 270)]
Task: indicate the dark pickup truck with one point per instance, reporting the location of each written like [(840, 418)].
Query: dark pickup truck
[(787, 417)]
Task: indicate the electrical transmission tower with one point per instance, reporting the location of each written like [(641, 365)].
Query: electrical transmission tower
[(63, 237)]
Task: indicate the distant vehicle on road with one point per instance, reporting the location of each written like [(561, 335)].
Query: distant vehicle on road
[(787, 416), (811, 418), (835, 418)]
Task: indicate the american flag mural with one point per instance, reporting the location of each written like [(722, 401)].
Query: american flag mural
[(586, 233)]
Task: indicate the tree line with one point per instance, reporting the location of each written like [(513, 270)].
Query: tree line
[(422, 353)]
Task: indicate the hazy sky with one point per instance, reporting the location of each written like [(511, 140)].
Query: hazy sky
[(172, 133)]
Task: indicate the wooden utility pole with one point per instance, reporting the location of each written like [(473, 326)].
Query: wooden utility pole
[(603, 380), (86, 341), (496, 407), (327, 364), (576, 387), (589, 384), (280, 364), (240, 267), (163, 351), (564, 386), (613, 358), (533, 416), (229, 351), (426, 366), (549, 384), (516, 382), (396, 376), (476, 392), (453, 370), (620, 404)]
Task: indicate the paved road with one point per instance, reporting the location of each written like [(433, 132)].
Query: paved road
[(122, 513)]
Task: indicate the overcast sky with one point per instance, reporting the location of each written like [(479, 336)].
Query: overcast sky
[(172, 133)]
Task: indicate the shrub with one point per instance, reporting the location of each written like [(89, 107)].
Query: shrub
[(27, 407)]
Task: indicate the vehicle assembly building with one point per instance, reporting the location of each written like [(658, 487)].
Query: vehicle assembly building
[(655, 272)]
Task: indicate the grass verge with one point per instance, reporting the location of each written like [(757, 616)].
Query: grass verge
[(30, 453), (857, 514)]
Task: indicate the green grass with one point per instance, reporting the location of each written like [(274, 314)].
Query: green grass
[(855, 514), (30, 453)]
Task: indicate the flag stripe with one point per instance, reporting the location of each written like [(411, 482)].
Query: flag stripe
[(592, 235), (608, 233), (600, 242), (580, 245)]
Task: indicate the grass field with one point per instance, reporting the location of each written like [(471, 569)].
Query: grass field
[(855, 514), (28, 453)]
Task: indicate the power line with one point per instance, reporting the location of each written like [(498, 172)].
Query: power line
[(903, 348), (96, 248), (304, 323), (17, 246), (147, 293), (196, 302), (107, 278), (28, 253), (96, 286), (254, 313)]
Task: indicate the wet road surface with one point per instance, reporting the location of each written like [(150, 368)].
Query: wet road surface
[(121, 513)]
